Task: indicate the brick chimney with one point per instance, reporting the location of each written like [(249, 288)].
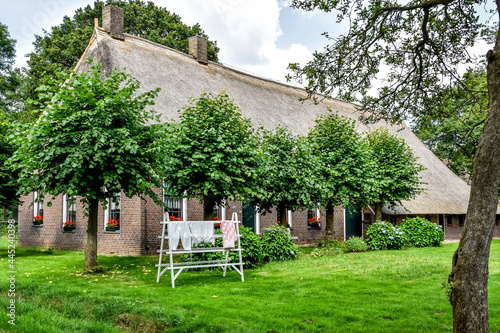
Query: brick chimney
[(198, 49), (112, 21)]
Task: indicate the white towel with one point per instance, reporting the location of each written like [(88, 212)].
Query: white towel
[(185, 235), (173, 234), (202, 231), (176, 230)]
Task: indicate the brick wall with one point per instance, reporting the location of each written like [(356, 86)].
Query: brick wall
[(140, 225), (129, 240)]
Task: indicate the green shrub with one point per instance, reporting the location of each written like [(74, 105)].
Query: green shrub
[(252, 248), (356, 244), (329, 248), (384, 236), (421, 232), (250, 243), (277, 244)]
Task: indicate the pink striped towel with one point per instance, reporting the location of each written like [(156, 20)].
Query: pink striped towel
[(228, 234)]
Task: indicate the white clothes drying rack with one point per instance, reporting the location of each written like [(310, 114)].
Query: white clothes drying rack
[(172, 266)]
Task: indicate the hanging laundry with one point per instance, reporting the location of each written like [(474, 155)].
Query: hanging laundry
[(202, 231), (185, 235), (174, 233), (228, 234)]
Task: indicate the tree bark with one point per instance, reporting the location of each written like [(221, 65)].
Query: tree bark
[(469, 274), (282, 215), (378, 212), (330, 211), (91, 252), (208, 208)]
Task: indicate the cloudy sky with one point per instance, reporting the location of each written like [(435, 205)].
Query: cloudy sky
[(259, 36)]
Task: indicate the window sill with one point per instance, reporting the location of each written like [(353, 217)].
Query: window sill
[(313, 228), (111, 232), (69, 231), (37, 225)]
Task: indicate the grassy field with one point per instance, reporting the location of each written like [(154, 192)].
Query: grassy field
[(383, 291)]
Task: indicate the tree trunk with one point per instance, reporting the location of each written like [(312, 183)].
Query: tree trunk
[(282, 215), (378, 212), (469, 274), (91, 252), (330, 211), (208, 208)]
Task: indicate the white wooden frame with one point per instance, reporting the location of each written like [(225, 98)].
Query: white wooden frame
[(163, 267)]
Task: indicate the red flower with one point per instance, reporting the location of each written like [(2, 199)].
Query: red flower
[(113, 223), (217, 218), (69, 224)]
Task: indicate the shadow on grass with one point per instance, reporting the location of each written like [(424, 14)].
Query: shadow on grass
[(34, 252)]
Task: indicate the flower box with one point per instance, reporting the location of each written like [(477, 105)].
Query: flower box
[(38, 220), (113, 225), (69, 226), (314, 223)]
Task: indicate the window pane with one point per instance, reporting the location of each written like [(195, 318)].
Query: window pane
[(174, 206), (71, 209), (114, 209)]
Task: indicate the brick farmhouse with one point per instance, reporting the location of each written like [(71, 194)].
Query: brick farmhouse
[(265, 102)]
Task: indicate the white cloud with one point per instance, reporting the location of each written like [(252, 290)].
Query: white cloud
[(246, 32)]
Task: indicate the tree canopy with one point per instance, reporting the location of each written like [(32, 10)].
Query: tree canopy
[(10, 78), (91, 140), (287, 174), (343, 163), (62, 47), (211, 153), (453, 135), (395, 170)]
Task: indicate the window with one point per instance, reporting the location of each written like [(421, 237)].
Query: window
[(113, 213), (217, 212), (37, 209), (313, 219), (449, 220), (172, 204), (461, 219), (497, 221), (69, 212), (392, 219)]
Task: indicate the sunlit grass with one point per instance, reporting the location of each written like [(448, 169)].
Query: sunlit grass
[(383, 291)]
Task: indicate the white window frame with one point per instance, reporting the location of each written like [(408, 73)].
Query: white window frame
[(65, 209), (36, 208), (107, 212), (183, 202)]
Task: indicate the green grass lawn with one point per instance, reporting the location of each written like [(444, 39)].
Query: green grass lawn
[(383, 291)]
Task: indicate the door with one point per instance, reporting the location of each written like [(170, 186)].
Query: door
[(249, 216), (353, 224)]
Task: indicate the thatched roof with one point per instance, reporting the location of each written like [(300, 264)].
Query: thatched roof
[(266, 102)]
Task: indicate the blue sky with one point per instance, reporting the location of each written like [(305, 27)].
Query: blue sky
[(259, 36)]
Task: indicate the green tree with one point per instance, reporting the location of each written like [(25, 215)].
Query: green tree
[(211, 153), (288, 173), (62, 47), (423, 45), (453, 134), (395, 170), (91, 140), (10, 78), (343, 164), (8, 186)]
